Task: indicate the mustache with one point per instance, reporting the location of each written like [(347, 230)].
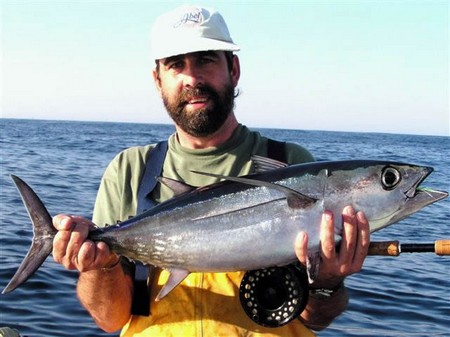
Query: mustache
[(199, 91)]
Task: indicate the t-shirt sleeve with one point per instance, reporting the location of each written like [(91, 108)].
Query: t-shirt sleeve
[(297, 154), (117, 195), (106, 209)]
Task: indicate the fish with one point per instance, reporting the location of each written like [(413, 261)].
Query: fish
[(247, 222)]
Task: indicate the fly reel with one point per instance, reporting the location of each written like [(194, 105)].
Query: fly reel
[(274, 296)]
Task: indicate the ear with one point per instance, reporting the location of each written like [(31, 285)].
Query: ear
[(236, 71), (157, 80)]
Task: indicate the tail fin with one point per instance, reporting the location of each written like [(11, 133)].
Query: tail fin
[(44, 232)]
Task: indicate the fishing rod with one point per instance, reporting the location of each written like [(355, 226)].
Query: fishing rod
[(395, 248)]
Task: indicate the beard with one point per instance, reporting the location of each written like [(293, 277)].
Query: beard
[(205, 121)]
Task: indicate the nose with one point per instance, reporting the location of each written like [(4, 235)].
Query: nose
[(192, 75)]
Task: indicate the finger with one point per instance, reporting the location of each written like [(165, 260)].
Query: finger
[(81, 220), (60, 243), (349, 233), (327, 237), (63, 222), (363, 240), (95, 255), (349, 239), (86, 256), (105, 258), (301, 247), (78, 236)]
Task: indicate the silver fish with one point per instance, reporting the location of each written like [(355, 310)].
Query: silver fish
[(246, 223)]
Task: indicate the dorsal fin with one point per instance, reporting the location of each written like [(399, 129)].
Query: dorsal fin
[(264, 164)]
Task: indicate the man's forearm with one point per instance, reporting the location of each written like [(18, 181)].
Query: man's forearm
[(321, 311), (106, 295)]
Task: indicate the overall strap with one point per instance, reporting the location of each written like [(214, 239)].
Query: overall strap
[(143, 274), (276, 150)]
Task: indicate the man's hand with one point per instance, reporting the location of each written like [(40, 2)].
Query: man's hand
[(73, 250), (348, 259), (335, 264), (105, 293)]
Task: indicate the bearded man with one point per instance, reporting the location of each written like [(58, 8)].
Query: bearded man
[(196, 74)]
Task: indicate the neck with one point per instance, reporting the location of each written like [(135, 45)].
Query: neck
[(213, 140)]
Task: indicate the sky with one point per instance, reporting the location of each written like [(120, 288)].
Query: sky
[(340, 65)]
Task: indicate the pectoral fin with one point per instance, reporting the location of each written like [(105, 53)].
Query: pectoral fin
[(294, 199), (175, 278)]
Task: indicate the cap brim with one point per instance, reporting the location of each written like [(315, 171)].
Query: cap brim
[(190, 46)]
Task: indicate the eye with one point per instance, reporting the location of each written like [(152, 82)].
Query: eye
[(206, 60), (176, 65), (390, 177)]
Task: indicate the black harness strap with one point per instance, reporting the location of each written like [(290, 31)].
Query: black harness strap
[(153, 168), (143, 273), (276, 150)]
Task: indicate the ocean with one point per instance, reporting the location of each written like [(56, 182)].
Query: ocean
[(63, 161)]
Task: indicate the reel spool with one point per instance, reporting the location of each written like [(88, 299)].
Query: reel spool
[(272, 297)]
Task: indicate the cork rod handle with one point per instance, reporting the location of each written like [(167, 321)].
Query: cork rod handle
[(394, 248), (442, 247), (387, 248)]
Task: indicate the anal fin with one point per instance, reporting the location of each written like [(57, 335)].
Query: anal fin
[(175, 278)]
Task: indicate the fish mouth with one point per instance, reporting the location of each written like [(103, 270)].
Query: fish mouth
[(416, 198), (416, 188), (424, 195), (430, 194)]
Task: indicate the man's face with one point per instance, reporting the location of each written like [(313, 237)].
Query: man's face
[(197, 90)]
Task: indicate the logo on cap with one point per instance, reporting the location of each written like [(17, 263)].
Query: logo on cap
[(190, 29), (194, 17)]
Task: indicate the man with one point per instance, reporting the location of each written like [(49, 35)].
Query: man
[(196, 75)]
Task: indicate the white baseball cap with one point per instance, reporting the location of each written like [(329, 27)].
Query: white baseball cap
[(190, 29)]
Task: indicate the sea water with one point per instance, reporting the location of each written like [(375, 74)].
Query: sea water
[(407, 295)]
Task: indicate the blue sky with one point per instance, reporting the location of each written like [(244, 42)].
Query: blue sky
[(375, 66)]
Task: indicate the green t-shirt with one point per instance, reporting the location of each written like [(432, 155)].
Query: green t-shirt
[(117, 195)]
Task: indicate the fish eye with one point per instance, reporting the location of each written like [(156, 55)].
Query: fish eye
[(390, 177)]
